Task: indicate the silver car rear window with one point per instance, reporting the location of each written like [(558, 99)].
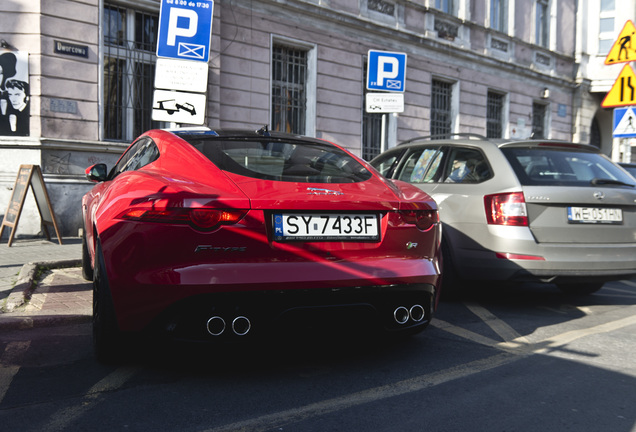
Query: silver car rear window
[(283, 160), (544, 166)]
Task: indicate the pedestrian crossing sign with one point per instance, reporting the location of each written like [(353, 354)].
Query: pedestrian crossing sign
[(624, 122), (624, 49)]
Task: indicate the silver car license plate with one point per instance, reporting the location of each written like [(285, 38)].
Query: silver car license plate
[(595, 215), (326, 227)]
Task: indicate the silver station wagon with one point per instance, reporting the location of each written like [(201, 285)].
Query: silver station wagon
[(526, 211)]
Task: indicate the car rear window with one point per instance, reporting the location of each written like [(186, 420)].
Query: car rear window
[(543, 166), (282, 160)]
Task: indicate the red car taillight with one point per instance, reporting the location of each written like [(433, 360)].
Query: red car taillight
[(506, 209), (203, 219), (424, 220)]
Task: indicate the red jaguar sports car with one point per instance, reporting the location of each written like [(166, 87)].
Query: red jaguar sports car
[(201, 234)]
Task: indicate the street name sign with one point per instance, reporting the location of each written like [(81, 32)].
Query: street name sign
[(386, 71), (624, 48), (623, 92), (185, 29), (624, 122)]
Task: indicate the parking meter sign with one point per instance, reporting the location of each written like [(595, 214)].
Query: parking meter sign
[(386, 71), (185, 29)]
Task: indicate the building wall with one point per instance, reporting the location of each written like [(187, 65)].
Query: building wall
[(66, 92)]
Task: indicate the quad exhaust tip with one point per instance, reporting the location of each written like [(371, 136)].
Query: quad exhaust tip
[(216, 326), (402, 315)]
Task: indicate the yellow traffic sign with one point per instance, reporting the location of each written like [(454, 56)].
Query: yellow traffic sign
[(623, 91), (624, 49)]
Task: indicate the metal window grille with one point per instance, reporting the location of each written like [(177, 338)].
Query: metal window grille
[(129, 59), (494, 115), (441, 120), (372, 135), (289, 80), (538, 120)]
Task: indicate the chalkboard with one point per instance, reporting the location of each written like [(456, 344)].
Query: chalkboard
[(29, 175)]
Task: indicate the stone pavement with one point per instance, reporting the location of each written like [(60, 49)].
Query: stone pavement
[(41, 283)]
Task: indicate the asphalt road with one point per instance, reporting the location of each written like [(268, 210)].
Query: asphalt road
[(513, 359)]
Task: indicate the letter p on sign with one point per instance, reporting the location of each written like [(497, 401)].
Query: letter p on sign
[(388, 67), (179, 16)]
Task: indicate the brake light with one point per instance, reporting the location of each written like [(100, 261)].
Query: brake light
[(202, 219), (506, 209), (424, 220)]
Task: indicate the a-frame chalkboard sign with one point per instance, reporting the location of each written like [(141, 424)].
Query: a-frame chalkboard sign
[(29, 175)]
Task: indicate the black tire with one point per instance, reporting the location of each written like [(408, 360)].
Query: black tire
[(107, 339), (87, 268), (452, 284), (581, 288)]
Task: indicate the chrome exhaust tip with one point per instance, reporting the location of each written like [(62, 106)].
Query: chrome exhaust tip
[(241, 325), (417, 313), (216, 326), (401, 315)]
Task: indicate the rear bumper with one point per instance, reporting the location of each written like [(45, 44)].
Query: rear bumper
[(351, 308), (560, 263)]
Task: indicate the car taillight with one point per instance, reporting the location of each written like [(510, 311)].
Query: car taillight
[(506, 209), (424, 220), (202, 219)]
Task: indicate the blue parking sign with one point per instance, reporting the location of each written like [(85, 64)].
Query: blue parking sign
[(386, 71), (185, 29)]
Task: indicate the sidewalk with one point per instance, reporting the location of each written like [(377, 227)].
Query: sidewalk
[(61, 294)]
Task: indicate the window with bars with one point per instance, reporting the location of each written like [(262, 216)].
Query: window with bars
[(494, 115), (130, 43), (289, 89), (499, 15), (539, 120), (542, 23), (441, 104)]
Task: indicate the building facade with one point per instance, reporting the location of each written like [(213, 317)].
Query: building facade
[(497, 68)]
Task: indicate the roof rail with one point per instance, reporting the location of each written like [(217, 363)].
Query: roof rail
[(447, 136)]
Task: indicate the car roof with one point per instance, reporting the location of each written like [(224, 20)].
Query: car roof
[(206, 132), (476, 140)]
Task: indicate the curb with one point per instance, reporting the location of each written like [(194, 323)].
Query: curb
[(27, 280)]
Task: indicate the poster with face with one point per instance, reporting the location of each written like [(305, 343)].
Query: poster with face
[(15, 110)]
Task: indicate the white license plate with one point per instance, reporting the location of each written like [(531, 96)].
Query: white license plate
[(326, 227), (595, 215)]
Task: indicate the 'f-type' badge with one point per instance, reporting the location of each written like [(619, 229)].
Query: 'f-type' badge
[(319, 191)]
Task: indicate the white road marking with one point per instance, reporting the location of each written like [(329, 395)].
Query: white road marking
[(62, 419), (8, 369), (411, 385), (505, 331)]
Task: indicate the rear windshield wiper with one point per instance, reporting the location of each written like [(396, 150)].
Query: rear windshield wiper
[(603, 181)]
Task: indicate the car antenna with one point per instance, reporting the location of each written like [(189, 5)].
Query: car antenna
[(264, 131)]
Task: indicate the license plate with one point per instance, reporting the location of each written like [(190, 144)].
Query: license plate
[(326, 227), (594, 215)]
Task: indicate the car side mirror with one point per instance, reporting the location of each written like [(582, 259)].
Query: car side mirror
[(97, 173)]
